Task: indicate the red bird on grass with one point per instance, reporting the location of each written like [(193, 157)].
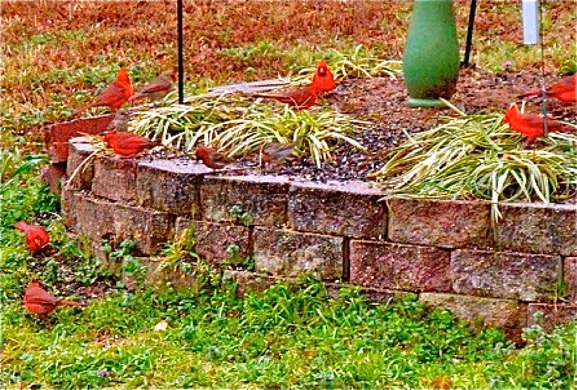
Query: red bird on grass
[(211, 157), (127, 144), (564, 90), (115, 95), (36, 236), (323, 79), (157, 88), (41, 302), (532, 125), (299, 99)]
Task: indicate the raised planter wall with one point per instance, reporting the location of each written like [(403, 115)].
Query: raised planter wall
[(445, 251)]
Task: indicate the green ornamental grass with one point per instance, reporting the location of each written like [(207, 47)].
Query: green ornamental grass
[(479, 157), (238, 125)]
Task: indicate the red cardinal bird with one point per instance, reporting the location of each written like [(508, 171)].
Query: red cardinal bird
[(531, 125), (323, 79), (115, 95), (300, 98), (36, 236), (564, 90), (41, 302), (127, 144), (211, 157), (157, 88)]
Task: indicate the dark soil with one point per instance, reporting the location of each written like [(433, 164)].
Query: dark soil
[(383, 102)]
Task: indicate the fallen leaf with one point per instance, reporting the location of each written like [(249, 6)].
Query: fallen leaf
[(162, 325)]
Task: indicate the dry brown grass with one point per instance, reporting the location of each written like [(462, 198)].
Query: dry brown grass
[(61, 52)]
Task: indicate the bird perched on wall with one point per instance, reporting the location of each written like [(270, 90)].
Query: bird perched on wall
[(323, 79), (299, 98), (564, 90), (277, 151), (41, 302), (36, 236), (157, 88), (211, 157), (532, 125), (114, 96), (127, 144)]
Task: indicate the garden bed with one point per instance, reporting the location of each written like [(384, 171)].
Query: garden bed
[(294, 218), (447, 251)]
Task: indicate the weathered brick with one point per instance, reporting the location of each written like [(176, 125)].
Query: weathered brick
[(528, 277), (100, 219), (350, 209), (552, 315), (170, 185), (93, 217), (263, 199), (487, 312), (215, 241), (114, 178), (289, 253), (52, 175), (397, 266), (570, 277), (69, 207), (538, 228), (57, 152), (443, 223), (150, 229), (80, 150), (56, 135)]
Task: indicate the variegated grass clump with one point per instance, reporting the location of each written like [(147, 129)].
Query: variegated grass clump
[(361, 63), (478, 157), (236, 125)]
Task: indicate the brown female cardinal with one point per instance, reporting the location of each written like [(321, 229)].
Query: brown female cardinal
[(157, 88), (277, 151), (36, 236), (115, 95), (211, 157), (41, 302)]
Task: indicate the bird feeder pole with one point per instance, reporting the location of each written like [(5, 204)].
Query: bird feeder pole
[(180, 52), (533, 34), (469, 41)]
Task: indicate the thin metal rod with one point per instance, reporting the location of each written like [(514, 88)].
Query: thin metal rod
[(544, 108), (469, 41), (180, 52)]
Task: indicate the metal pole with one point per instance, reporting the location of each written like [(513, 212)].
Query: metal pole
[(180, 53), (470, 32)]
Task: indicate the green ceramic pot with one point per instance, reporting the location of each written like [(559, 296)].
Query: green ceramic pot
[(431, 58)]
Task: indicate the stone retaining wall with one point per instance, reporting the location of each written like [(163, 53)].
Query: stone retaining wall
[(445, 251)]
